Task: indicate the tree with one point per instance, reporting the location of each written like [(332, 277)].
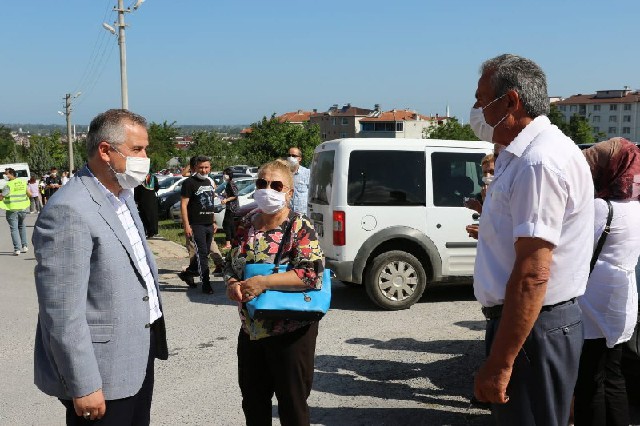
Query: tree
[(8, 150), (270, 139), (578, 127), (211, 144), (39, 158), (579, 130), (162, 148), (452, 130)]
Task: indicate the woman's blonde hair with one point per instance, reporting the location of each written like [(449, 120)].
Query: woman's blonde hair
[(281, 166), (489, 158)]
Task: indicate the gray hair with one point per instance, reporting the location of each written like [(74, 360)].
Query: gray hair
[(109, 127), (512, 72)]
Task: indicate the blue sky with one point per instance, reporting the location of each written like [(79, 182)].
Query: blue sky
[(232, 62)]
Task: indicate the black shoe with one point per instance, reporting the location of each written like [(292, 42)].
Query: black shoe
[(206, 288), (184, 276)]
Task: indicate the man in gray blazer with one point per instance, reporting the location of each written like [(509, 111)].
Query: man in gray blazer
[(100, 321)]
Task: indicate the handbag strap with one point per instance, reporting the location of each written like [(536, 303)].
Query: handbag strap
[(285, 237), (603, 237)]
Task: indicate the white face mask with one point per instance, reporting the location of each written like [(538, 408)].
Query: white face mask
[(269, 200), (293, 160), (487, 179), (201, 176), (479, 125), (135, 171)]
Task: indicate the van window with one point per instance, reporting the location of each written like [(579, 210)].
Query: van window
[(21, 173), (321, 177), (386, 178), (455, 176)]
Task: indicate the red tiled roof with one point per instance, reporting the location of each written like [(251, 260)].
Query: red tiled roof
[(295, 117), (591, 99), (401, 115), (246, 131)]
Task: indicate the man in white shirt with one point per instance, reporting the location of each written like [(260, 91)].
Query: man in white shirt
[(533, 249)]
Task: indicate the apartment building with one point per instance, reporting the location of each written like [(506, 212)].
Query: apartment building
[(612, 112), (339, 122), (401, 123)]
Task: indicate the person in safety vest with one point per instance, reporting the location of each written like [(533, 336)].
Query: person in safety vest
[(15, 200)]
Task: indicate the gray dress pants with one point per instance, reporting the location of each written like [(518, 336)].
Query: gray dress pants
[(545, 370)]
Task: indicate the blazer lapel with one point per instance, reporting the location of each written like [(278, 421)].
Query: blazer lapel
[(109, 215)]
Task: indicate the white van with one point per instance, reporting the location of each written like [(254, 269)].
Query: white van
[(22, 171), (389, 212)]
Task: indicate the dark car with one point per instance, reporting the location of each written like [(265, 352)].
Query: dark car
[(166, 200)]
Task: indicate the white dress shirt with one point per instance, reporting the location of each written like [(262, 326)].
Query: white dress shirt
[(542, 188), (610, 303), (133, 233)]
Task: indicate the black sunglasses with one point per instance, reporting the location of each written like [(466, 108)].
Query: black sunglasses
[(274, 184)]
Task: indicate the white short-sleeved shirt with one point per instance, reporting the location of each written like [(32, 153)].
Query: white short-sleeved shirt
[(542, 188), (610, 303)]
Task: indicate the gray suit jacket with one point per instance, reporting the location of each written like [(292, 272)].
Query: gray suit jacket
[(93, 316)]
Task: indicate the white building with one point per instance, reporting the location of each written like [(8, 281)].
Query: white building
[(612, 112)]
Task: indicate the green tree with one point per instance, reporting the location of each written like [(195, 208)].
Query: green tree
[(39, 157), (8, 149), (452, 130), (579, 130), (210, 143), (578, 127), (162, 144), (270, 139)]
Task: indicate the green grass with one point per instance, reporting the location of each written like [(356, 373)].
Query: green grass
[(173, 231)]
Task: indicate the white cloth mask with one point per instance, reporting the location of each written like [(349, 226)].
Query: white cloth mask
[(487, 179), (135, 171), (201, 176), (293, 160), (479, 125), (269, 200)]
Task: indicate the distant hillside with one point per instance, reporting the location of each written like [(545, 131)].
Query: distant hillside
[(187, 129)]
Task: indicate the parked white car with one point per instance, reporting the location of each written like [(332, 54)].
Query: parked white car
[(169, 184), (389, 214)]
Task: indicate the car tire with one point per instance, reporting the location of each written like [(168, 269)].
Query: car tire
[(395, 280)]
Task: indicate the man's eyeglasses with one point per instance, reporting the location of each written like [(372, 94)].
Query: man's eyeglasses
[(294, 155), (274, 184)]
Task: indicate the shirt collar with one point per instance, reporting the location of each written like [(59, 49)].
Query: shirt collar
[(527, 135), (116, 201)]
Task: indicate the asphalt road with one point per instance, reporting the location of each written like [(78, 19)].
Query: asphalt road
[(411, 367)]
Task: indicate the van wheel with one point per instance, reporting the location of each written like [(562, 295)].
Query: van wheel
[(395, 280)]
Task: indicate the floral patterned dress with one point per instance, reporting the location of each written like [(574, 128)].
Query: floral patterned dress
[(302, 251)]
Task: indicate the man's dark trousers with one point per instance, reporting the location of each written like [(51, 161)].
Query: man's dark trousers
[(202, 235), (132, 411), (545, 370)]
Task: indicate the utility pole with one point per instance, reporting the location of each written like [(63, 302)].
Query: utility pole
[(123, 46), (67, 113), (123, 54)]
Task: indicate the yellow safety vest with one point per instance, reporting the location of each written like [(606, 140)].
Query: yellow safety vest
[(17, 198)]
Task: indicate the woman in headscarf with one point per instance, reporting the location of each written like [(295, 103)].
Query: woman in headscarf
[(610, 303)]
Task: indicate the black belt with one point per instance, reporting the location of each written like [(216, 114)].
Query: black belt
[(493, 312)]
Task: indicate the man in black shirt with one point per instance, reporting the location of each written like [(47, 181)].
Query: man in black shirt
[(52, 183), (196, 205)]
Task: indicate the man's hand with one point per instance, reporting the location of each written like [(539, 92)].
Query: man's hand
[(92, 403), (490, 384), (472, 230), (473, 204), (187, 230)]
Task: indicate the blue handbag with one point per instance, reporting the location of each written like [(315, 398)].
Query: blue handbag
[(302, 305)]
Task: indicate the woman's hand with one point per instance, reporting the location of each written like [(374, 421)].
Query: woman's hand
[(233, 291), (253, 287)]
